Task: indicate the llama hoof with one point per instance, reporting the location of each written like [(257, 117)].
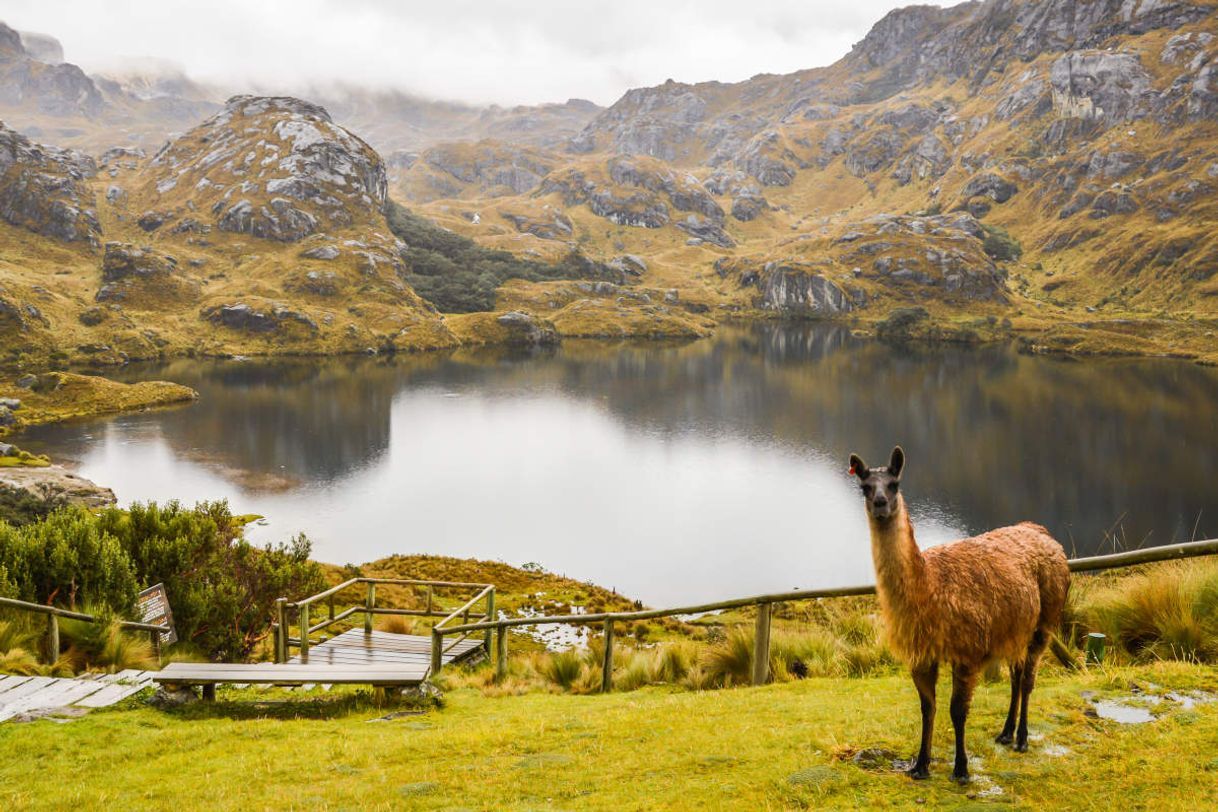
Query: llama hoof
[(1021, 747), (918, 773), (961, 778), (1004, 738)]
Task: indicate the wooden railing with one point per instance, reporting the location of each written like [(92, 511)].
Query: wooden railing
[(765, 604), (281, 629), (53, 613)]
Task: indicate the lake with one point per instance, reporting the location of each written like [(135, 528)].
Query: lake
[(671, 472)]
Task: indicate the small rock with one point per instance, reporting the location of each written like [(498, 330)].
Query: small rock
[(8, 450), (6, 417), (27, 381), (167, 697), (11, 403)]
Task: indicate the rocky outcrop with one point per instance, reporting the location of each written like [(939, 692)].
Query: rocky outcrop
[(56, 482), (131, 272), (550, 224), (795, 290), (271, 167), (641, 192), (494, 168), (273, 318), (46, 190), (1101, 86)]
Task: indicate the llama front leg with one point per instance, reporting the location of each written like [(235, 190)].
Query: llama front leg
[(1008, 729), (1037, 648), (924, 678), (964, 680)]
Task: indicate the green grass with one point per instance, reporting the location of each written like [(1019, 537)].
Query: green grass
[(784, 746)]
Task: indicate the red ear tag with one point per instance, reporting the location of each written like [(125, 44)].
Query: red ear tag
[(851, 471)]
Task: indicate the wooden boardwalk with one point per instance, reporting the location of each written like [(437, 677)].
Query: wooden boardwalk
[(355, 648), (19, 695)]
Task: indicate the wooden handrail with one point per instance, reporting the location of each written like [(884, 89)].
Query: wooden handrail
[(1189, 549), (334, 590), (40, 608), (1167, 552)]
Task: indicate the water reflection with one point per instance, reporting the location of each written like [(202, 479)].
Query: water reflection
[(672, 472)]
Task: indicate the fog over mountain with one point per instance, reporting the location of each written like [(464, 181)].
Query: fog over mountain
[(510, 52)]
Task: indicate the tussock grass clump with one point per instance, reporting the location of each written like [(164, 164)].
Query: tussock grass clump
[(563, 668), (1168, 611), (104, 646), (396, 624)]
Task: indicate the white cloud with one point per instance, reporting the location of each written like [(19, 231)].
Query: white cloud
[(504, 51)]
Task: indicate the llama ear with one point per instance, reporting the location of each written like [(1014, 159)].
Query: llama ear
[(896, 462), (858, 467)]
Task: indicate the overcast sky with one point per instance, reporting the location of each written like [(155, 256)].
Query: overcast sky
[(503, 51)]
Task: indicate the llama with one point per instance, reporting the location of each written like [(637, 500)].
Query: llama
[(999, 595)]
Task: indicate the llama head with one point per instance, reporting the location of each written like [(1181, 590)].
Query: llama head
[(881, 486)]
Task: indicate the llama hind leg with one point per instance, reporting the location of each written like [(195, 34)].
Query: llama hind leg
[(1036, 648), (964, 680), (1008, 729), (924, 679)]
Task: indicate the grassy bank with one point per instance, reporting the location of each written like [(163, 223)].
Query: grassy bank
[(785, 746), (54, 396)]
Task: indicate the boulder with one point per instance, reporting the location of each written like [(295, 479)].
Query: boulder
[(995, 187), (246, 318), (526, 330), (748, 207)]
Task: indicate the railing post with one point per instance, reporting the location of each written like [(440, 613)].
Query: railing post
[(607, 663), (761, 645), (437, 651), (490, 615), (330, 603), (281, 642), (369, 605), (156, 645), (501, 654), (429, 597), (304, 633), (52, 651)]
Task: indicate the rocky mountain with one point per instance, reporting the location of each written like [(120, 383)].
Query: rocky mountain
[(1077, 135), (1044, 170)]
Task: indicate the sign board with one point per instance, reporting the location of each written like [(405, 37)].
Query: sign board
[(154, 608)]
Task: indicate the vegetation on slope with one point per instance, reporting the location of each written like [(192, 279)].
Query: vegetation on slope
[(457, 275), (222, 588)]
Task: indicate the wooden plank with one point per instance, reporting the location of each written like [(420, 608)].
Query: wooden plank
[(111, 693), (10, 682), (28, 687)]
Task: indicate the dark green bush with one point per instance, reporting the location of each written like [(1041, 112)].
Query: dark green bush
[(222, 589), (19, 506), (1000, 245), (457, 275), (68, 559), (898, 325)]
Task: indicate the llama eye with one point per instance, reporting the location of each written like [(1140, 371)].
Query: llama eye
[(892, 486), (866, 489)]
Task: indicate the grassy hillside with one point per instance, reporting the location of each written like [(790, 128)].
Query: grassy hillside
[(810, 744)]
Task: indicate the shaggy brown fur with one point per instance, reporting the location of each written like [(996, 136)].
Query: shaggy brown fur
[(999, 595)]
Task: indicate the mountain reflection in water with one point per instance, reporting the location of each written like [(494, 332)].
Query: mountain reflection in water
[(672, 472)]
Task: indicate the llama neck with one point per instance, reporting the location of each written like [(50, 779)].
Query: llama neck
[(900, 569)]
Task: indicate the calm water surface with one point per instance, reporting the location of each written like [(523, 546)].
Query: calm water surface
[(673, 473)]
